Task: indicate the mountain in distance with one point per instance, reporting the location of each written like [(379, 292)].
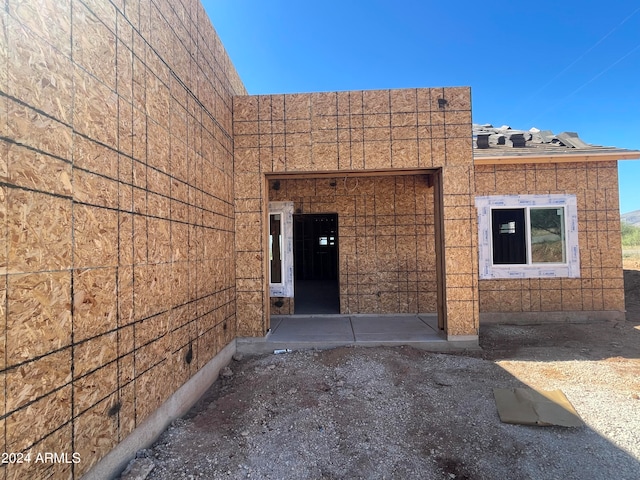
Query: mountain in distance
[(632, 218)]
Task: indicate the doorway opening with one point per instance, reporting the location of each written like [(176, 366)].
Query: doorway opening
[(315, 259), (388, 245)]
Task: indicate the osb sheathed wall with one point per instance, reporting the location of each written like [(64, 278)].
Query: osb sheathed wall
[(356, 131), (600, 286), (116, 171), (386, 239)]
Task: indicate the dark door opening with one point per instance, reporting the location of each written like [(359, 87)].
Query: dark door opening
[(315, 260)]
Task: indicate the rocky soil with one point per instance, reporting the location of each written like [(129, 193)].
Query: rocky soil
[(402, 413)]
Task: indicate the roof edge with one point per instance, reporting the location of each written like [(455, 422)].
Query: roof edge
[(555, 158)]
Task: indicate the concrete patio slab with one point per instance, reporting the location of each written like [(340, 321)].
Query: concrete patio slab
[(304, 332), (430, 319), (405, 328), (313, 329)]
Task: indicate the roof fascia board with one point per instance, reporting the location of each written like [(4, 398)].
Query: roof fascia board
[(569, 158)]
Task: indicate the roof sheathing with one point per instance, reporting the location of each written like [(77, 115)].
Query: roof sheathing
[(546, 148)]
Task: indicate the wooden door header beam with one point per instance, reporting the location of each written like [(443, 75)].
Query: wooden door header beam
[(393, 172)]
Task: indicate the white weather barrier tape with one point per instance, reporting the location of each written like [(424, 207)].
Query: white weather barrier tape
[(284, 289), (569, 269)]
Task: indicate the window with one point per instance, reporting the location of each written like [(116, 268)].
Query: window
[(528, 236), (547, 235), (525, 236), (281, 249), (275, 247)]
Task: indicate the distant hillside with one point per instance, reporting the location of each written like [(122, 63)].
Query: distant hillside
[(632, 218)]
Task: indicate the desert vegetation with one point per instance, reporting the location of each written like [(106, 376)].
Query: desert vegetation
[(630, 235), (630, 246)]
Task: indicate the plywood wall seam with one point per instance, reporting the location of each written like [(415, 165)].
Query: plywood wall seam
[(227, 202), (83, 412), (94, 140), (48, 435), (176, 16), (390, 127), (223, 130), (13, 141), (87, 6), (73, 244), (33, 359), (35, 109), (154, 365), (27, 404), (204, 109), (33, 190), (99, 174)]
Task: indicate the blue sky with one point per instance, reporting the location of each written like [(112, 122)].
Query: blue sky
[(562, 66)]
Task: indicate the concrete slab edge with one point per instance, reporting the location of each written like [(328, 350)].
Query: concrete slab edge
[(463, 342), (248, 347), (174, 407)]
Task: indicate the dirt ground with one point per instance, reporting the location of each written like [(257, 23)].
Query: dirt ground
[(402, 413)]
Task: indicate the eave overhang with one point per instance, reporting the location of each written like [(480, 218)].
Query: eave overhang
[(556, 158)]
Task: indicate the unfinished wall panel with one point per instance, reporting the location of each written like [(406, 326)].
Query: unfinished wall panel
[(594, 184), (38, 315), (355, 132), (38, 231), (381, 270), (117, 216)]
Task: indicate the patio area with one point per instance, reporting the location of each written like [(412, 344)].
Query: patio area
[(303, 332)]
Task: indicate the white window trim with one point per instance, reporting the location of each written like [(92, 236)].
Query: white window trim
[(285, 288), (569, 269)]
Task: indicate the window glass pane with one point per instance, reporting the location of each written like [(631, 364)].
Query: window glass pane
[(508, 236), (275, 248), (547, 235)]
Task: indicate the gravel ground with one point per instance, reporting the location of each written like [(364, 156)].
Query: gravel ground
[(402, 413)]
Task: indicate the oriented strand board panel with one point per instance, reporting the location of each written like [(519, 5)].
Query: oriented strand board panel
[(595, 185), (363, 131), (386, 258), (117, 217)]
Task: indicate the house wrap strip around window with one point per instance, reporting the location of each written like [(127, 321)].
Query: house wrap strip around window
[(528, 236), (281, 257)]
